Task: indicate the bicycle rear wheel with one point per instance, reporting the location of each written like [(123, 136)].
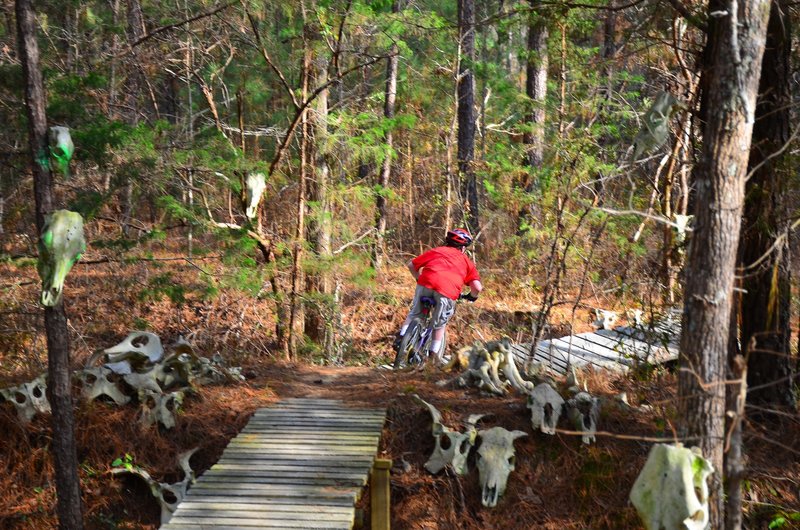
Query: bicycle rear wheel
[(407, 344)]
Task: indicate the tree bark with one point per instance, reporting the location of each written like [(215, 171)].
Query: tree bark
[(386, 168), (59, 386), (736, 52), (536, 90), (766, 300), (466, 114)]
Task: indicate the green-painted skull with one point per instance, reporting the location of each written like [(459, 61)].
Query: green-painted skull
[(60, 247), (61, 148)]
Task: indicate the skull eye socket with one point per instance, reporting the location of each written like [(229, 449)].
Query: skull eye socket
[(37, 392), (464, 447), (169, 497), (445, 442), (140, 341), (170, 405), (150, 403), (20, 398), (511, 460), (91, 378)]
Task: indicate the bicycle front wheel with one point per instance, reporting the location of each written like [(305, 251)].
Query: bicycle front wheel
[(407, 344)]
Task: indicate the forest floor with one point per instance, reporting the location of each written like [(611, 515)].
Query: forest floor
[(558, 483)]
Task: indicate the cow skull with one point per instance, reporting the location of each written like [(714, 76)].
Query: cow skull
[(62, 148), (605, 319), (163, 492), (452, 447), (583, 412), (256, 184), (671, 490), (495, 462), (545, 404), (60, 247), (138, 348), (96, 382), (157, 407), (28, 398)]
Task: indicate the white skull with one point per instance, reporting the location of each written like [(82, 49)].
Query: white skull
[(605, 319), (545, 404), (96, 382), (682, 225), (256, 184), (60, 247), (671, 490), (452, 447), (158, 407), (61, 147), (28, 398), (495, 462), (138, 347), (583, 411), (169, 496), (635, 317)]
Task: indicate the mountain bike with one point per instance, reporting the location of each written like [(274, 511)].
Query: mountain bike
[(416, 341)]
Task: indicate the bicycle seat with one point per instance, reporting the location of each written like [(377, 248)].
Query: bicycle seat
[(427, 300)]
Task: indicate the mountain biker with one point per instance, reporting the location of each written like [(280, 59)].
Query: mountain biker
[(441, 272)]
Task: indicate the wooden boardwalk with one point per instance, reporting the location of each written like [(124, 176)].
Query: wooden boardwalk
[(300, 464), (618, 349)]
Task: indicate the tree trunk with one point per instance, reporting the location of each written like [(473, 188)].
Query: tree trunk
[(319, 225), (386, 168), (466, 114), (295, 309), (736, 52), (536, 90), (766, 299), (59, 382)]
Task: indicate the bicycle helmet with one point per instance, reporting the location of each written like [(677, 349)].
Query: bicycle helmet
[(458, 237)]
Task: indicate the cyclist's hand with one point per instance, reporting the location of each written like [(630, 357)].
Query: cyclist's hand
[(468, 297)]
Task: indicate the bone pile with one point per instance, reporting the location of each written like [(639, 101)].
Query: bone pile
[(136, 367), (484, 363), (494, 449)]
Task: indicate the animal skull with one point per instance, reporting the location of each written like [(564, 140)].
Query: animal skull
[(655, 124), (545, 404), (583, 411), (452, 447), (157, 407), (163, 492), (635, 317), (671, 490), (28, 398), (60, 247), (96, 382), (62, 148), (495, 462), (682, 225), (139, 347), (605, 319), (256, 184)]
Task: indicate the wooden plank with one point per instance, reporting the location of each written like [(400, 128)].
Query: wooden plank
[(587, 355), (215, 522), (289, 472), (334, 435), (265, 498), (257, 457), (322, 411), (286, 479), (331, 466), (227, 511), (262, 506), (364, 439), (291, 443), (300, 450), (276, 490)]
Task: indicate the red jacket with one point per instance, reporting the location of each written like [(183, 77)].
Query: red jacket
[(445, 270)]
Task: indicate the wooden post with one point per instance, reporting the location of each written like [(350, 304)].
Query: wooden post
[(380, 513)]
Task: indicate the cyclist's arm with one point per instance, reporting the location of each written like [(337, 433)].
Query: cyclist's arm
[(475, 287), (413, 270)]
